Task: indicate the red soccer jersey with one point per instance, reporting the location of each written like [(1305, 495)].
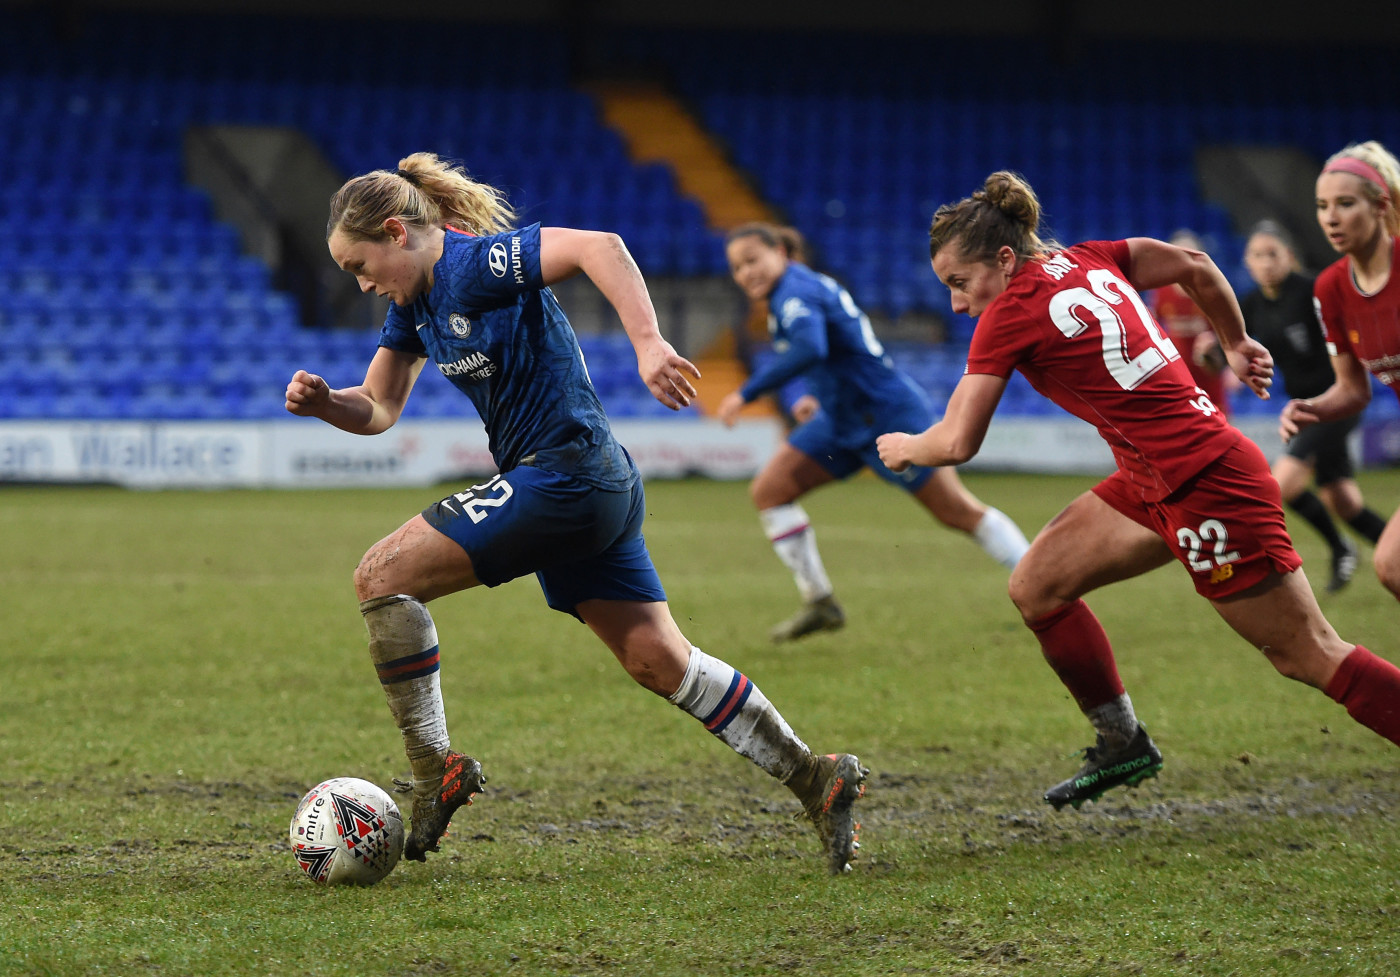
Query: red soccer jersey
[(1366, 326), (1080, 333), (1171, 304)]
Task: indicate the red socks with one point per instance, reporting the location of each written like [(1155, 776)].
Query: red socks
[(1369, 686), (1076, 647)]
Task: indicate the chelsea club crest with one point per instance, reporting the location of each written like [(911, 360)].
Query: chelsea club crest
[(461, 326)]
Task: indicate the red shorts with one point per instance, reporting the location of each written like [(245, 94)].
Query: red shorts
[(1226, 524)]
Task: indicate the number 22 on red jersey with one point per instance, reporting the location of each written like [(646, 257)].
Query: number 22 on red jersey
[(1073, 309)]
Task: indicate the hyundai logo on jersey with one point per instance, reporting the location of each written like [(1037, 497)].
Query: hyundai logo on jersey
[(517, 260), (497, 260)]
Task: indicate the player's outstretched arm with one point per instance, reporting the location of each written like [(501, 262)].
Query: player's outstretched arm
[(370, 408), (1349, 393), (1156, 263), (603, 257), (954, 439), (729, 408)]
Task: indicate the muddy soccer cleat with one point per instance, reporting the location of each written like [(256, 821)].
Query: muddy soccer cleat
[(839, 783), (820, 615), (1104, 770), (1343, 567), (461, 779)]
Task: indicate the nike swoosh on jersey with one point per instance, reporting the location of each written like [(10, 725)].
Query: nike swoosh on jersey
[(420, 325)]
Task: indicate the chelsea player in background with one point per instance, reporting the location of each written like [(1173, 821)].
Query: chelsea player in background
[(471, 294), (821, 335)]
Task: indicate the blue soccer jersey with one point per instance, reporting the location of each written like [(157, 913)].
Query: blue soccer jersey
[(820, 335), (494, 330)]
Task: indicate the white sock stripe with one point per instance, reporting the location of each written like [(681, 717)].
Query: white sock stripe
[(782, 521), (692, 669), (706, 681), (738, 713), (793, 539), (374, 603)]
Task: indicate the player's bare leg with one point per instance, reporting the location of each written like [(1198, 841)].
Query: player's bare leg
[(949, 501), (1281, 618), (396, 577), (1387, 556), (1088, 545), (789, 475), (649, 645)]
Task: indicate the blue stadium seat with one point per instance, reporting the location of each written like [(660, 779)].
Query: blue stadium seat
[(90, 139)]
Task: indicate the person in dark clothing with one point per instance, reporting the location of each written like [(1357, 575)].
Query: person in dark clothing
[(1281, 315)]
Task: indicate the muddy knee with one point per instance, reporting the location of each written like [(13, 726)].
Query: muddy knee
[(368, 574)]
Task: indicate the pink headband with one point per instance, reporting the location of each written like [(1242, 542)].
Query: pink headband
[(1357, 167)]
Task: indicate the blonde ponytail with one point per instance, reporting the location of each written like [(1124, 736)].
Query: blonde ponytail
[(425, 191)]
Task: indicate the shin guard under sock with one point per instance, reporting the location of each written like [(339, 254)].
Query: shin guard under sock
[(404, 647)]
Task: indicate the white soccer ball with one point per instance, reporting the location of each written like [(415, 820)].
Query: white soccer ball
[(347, 831)]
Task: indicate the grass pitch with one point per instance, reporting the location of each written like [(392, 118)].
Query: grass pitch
[(181, 667)]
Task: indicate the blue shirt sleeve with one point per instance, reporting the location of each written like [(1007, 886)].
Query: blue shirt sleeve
[(399, 332), (494, 270), (802, 327)]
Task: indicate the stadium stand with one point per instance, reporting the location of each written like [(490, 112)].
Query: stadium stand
[(122, 296), (857, 138)]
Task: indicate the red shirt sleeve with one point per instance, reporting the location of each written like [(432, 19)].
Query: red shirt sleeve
[(1116, 252), (1330, 312), (1004, 338)]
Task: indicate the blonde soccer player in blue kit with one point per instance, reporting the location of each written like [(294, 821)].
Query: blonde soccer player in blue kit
[(471, 293)]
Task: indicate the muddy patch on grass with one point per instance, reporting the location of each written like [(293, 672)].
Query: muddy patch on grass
[(179, 826), (175, 827), (148, 785), (973, 813)]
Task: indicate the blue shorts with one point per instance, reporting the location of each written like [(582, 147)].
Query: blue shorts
[(818, 440), (583, 543)]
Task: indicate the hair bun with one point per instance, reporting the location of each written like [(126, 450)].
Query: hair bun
[(1011, 195)]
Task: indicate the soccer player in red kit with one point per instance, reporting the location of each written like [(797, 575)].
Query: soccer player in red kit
[(1188, 485), (1358, 302)]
